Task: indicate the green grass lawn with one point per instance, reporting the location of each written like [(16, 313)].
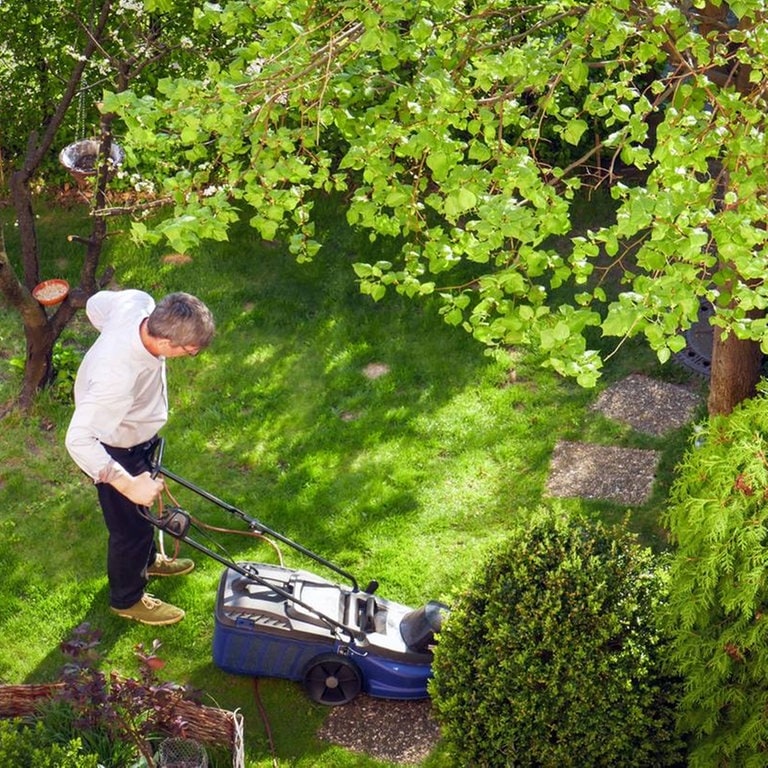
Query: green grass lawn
[(408, 477)]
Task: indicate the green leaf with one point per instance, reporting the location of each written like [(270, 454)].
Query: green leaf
[(479, 151), (397, 197), (553, 338), (457, 203), (378, 292), (453, 316), (362, 270), (574, 130), (439, 164), (621, 319)]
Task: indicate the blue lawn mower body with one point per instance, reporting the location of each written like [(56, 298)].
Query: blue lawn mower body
[(334, 638), (372, 645)]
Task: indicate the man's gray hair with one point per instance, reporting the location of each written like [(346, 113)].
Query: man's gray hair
[(182, 319)]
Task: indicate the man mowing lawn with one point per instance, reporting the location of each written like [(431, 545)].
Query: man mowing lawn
[(120, 404)]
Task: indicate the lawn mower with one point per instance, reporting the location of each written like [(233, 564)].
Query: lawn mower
[(336, 639)]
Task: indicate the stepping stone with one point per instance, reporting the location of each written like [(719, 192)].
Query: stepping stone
[(648, 405), (589, 471)]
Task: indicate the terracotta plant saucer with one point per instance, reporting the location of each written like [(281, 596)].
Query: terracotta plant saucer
[(51, 292)]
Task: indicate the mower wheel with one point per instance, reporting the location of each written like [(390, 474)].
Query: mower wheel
[(332, 680)]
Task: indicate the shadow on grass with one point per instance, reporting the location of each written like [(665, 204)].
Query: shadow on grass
[(280, 418), (50, 666)]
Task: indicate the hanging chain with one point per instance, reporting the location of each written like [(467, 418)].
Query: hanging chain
[(81, 114)]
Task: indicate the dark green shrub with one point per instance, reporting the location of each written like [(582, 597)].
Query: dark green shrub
[(718, 518), (551, 656), (29, 746)]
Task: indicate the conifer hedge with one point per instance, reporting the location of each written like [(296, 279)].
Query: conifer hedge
[(718, 519), (551, 655)]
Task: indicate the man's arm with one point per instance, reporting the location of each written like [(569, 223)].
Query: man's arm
[(141, 489), (83, 442)]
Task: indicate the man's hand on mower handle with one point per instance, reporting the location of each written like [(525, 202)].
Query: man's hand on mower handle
[(142, 489)]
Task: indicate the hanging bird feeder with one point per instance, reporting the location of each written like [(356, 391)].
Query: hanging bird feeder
[(81, 158)]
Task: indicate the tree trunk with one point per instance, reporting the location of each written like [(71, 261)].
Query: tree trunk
[(734, 373), (38, 363), (37, 330), (38, 367), (41, 330)]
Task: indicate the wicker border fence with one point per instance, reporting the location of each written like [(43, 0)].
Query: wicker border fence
[(208, 725)]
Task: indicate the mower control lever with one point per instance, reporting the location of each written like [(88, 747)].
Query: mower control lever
[(175, 521)]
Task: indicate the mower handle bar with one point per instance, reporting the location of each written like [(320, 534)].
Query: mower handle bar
[(253, 575), (254, 525)]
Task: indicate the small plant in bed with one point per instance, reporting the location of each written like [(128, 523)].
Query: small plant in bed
[(119, 719)]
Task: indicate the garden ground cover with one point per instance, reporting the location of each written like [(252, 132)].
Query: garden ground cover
[(408, 476)]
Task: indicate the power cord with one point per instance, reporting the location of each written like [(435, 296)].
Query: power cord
[(177, 521)]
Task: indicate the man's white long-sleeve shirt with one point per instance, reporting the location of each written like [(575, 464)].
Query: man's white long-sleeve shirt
[(120, 390)]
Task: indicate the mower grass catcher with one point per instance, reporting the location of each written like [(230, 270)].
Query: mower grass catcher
[(336, 639)]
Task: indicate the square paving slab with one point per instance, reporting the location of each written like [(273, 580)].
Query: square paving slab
[(623, 475), (648, 405)]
